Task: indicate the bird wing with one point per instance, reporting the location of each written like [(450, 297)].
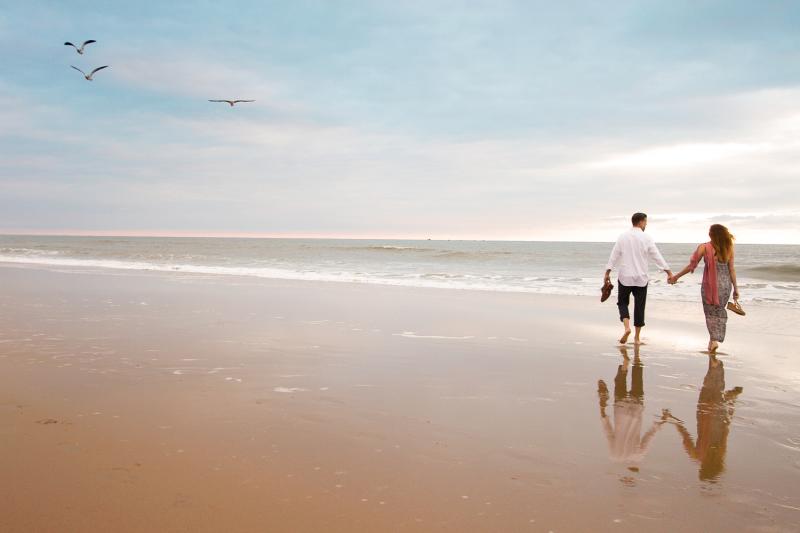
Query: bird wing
[(90, 41), (70, 44), (98, 68), (217, 100), (237, 101), (79, 70)]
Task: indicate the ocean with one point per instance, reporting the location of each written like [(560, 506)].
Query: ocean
[(768, 274)]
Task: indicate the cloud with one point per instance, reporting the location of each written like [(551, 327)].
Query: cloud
[(680, 155), (247, 172), (494, 121), (189, 75)]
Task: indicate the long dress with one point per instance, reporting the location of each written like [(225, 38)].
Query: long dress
[(715, 292), (714, 414), (717, 315)]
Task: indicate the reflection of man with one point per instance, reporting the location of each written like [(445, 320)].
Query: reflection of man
[(631, 255), (714, 413), (625, 441)]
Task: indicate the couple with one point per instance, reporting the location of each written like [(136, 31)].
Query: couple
[(623, 428), (631, 255)]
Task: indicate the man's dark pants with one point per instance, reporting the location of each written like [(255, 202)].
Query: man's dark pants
[(637, 382), (639, 302)]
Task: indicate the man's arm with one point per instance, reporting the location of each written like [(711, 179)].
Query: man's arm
[(613, 259), (647, 437), (658, 259)]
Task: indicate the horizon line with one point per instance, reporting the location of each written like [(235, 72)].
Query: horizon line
[(302, 236)]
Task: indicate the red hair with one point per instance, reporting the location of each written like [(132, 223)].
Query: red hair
[(722, 241)]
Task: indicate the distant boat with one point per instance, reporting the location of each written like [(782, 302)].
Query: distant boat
[(80, 50), (231, 102), (89, 76)]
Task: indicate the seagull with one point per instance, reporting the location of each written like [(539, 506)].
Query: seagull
[(89, 76), (232, 102), (80, 50)]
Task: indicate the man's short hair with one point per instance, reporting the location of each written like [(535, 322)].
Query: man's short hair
[(637, 217)]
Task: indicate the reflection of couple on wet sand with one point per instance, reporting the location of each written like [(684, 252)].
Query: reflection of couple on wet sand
[(626, 444), (631, 255), (714, 415)]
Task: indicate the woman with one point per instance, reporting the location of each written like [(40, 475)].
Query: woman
[(714, 414), (718, 276)]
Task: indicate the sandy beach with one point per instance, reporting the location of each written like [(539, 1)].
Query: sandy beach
[(169, 402)]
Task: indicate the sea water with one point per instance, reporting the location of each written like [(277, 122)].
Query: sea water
[(768, 274)]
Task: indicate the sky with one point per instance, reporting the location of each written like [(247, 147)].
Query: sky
[(513, 120)]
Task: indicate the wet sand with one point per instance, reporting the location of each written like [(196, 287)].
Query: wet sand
[(152, 402)]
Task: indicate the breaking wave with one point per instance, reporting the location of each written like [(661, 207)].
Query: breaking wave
[(776, 272)]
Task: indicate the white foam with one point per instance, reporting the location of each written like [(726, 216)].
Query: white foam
[(412, 335), (289, 389), (462, 274)]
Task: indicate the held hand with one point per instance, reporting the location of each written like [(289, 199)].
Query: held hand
[(735, 294)]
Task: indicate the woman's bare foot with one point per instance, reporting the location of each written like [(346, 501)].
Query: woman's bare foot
[(712, 346), (624, 338)]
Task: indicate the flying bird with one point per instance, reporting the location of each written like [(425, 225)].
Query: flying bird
[(89, 76), (80, 50), (232, 102)]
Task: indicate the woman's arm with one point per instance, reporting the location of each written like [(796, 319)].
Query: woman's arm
[(732, 270), (701, 250), (688, 442)]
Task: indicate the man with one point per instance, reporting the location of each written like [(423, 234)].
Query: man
[(630, 257), (626, 444)]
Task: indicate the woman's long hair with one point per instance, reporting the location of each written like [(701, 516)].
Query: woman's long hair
[(722, 241)]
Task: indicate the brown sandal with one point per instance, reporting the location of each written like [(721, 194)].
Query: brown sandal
[(735, 307), (605, 290)]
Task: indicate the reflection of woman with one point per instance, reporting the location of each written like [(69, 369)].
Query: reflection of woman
[(714, 414), (625, 441), (718, 276)]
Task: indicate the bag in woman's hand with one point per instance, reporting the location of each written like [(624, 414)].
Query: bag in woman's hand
[(735, 307)]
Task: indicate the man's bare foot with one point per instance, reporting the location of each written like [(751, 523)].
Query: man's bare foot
[(624, 338), (602, 393), (638, 342)]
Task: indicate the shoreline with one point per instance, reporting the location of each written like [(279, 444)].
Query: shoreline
[(292, 277), (209, 403)]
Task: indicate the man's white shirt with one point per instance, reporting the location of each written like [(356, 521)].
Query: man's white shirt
[(630, 257)]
